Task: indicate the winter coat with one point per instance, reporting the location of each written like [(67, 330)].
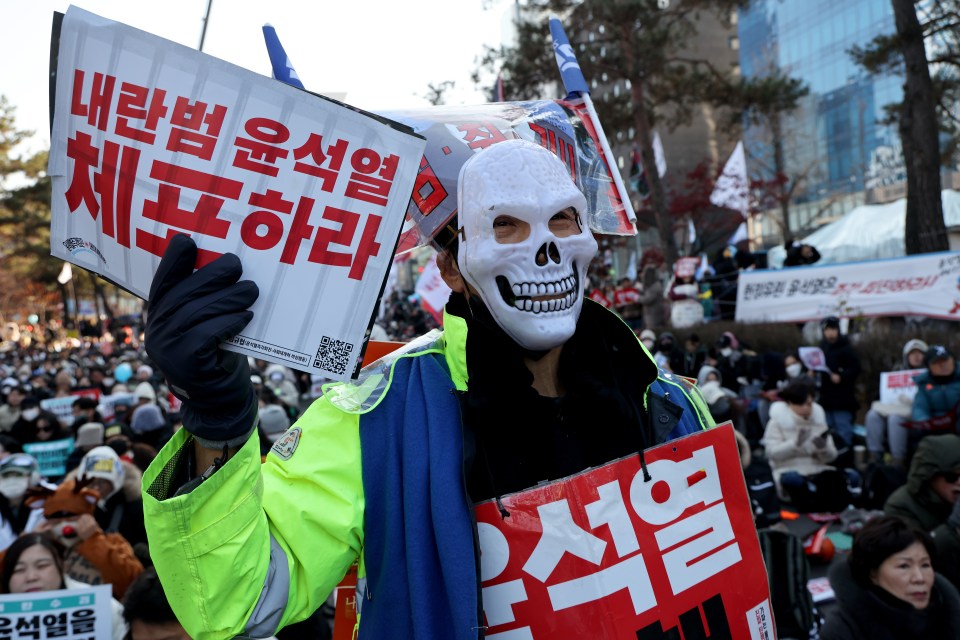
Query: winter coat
[(917, 502), (870, 613), (935, 398), (841, 358), (788, 441)]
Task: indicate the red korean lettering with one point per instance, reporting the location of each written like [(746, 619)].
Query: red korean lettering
[(113, 183), (480, 135), (323, 165), (132, 105), (157, 245), (195, 127), (97, 105), (549, 139), (299, 231), (264, 218), (259, 152), (348, 222), (214, 191), (363, 184), (428, 191)]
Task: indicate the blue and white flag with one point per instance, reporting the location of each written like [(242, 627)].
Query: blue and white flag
[(573, 80), (282, 67)]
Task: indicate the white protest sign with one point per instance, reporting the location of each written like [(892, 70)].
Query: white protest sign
[(898, 387), (70, 614), (151, 139), (924, 285), (62, 407), (813, 359), (51, 456)]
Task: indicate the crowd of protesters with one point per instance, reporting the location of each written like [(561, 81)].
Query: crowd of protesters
[(110, 411), (80, 419)]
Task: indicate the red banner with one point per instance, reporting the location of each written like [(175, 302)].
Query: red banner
[(604, 554)]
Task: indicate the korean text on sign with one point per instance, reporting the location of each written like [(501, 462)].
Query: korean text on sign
[(604, 554), (152, 139)]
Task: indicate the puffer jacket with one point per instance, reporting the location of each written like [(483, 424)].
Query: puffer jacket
[(935, 398), (788, 441)]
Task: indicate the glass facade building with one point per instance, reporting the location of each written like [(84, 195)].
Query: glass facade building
[(836, 145)]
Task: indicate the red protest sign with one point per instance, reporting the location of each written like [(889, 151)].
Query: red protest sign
[(604, 554)]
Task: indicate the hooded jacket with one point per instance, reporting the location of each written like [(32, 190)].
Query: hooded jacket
[(788, 441), (256, 547), (870, 612), (916, 501)]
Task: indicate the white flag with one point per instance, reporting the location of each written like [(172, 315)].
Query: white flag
[(733, 188), (66, 274)]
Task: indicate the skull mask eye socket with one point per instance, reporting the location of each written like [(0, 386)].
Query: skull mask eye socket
[(524, 251)]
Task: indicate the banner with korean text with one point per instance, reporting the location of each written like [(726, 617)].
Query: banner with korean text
[(603, 554), (151, 139), (924, 285), (70, 614)]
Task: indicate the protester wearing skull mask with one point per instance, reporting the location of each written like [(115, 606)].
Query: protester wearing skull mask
[(528, 382)]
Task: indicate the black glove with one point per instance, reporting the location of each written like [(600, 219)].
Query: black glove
[(189, 316)]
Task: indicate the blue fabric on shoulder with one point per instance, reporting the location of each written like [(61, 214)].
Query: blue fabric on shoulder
[(419, 535)]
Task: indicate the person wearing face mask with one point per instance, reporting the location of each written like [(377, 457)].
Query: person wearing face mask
[(884, 422), (888, 589), (19, 472), (527, 382)]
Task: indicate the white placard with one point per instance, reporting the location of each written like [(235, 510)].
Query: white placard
[(70, 614), (899, 387), (151, 139)]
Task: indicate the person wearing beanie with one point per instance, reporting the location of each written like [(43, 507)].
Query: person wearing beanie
[(150, 425), (884, 421), (120, 507)]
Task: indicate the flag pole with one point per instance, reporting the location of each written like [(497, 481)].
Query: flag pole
[(574, 82)]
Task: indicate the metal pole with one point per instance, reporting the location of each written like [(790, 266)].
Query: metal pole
[(206, 21)]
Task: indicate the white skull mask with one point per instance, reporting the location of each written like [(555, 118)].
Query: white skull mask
[(524, 249)]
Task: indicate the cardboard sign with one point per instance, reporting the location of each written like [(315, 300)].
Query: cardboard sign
[(151, 139), (925, 285), (51, 456), (605, 555), (69, 614), (899, 387)]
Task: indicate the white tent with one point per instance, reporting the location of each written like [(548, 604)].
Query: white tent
[(868, 232)]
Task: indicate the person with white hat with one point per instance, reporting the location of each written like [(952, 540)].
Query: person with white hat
[(18, 473), (120, 508)]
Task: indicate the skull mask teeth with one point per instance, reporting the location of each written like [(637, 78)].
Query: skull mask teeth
[(541, 297), (522, 252)]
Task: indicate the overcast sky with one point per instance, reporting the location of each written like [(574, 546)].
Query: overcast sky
[(381, 53)]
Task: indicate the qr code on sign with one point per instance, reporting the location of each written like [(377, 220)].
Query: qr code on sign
[(333, 355)]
